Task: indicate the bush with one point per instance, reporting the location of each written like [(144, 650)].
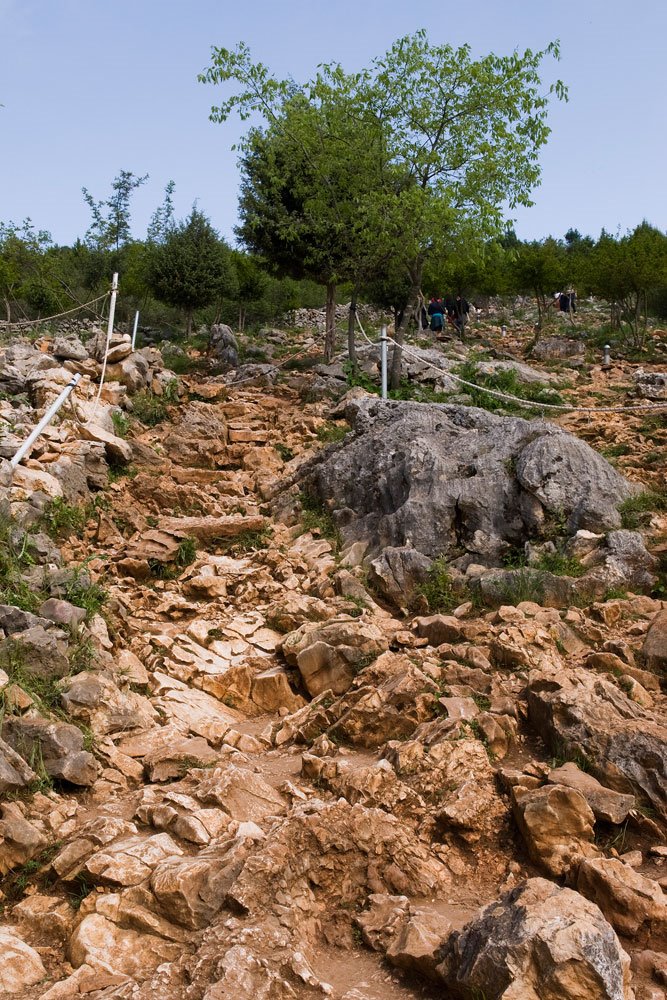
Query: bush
[(316, 517), (437, 589), (149, 408), (636, 511), (506, 382)]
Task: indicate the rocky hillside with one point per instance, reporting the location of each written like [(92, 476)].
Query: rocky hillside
[(295, 705)]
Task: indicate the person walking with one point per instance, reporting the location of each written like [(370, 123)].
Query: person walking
[(436, 313)]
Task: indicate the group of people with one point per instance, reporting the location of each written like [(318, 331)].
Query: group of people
[(454, 308)]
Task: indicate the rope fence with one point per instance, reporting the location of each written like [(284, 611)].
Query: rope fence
[(516, 400), (4, 325)]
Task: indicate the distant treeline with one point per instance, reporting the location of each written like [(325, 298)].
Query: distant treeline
[(183, 273)]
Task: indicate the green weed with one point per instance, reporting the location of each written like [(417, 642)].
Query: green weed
[(285, 453), (636, 511), (560, 565), (246, 541), (121, 423), (437, 588), (331, 432), (316, 517)]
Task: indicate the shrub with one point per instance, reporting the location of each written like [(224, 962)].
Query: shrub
[(560, 564), (331, 432), (437, 588), (316, 517), (60, 519), (505, 381), (636, 511), (149, 408), (121, 423)]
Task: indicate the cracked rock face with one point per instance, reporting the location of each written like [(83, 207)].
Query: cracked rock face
[(538, 942), (452, 480)]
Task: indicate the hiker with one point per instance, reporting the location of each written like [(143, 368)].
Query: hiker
[(460, 309), (436, 312), (566, 302)]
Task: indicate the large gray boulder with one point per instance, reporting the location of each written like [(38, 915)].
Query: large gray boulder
[(223, 346), (459, 481), (537, 942)]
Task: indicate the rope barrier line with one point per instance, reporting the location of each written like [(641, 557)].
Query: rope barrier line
[(526, 403), (48, 319)]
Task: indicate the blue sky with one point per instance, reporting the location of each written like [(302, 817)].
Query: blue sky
[(90, 87)]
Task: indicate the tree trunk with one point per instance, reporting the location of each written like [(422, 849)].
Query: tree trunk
[(399, 335), (8, 309), (241, 319), (188, 327), (330, 331), (351, 330)]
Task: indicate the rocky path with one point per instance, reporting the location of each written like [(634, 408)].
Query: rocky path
[(287, 792)]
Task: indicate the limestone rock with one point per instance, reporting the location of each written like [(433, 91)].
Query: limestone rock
[(607, 805), (445, 478), (14, 771), (537, 942), (20, 965), (631, 902), (655, 645), (398, 572), (37, 651), (328, 654), (57, 745), (20, 840), (584, 712), (557, 825)]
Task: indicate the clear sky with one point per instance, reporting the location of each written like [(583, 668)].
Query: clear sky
[(90, 87)]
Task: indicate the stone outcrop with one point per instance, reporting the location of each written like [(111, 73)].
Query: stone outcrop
[(538, 942), (453, 480), (625, 744)]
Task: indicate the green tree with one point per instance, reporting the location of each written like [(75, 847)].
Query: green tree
[(27, 272), (625, 272), (416, 150), (191, 267), (539, 267), (110, 226)]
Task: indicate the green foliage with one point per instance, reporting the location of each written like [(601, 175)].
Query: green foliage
[(149, 408), (616, 450), (437, 589), (119, 472), (284, 451), (560, 565), (186, 552), (636, 510), (110, 226), (505, 381), (331, 432), (16, 559), (246, 541), (121, 423), (317, 518), (625, 271), (83, 592), (359, 174), (522, 585), (44, 691), (191, 266), (61, 519)]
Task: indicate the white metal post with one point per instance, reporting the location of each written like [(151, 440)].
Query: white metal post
[(383, 360), (46, 419), (134, 332), (112, 310), (607, 357)]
